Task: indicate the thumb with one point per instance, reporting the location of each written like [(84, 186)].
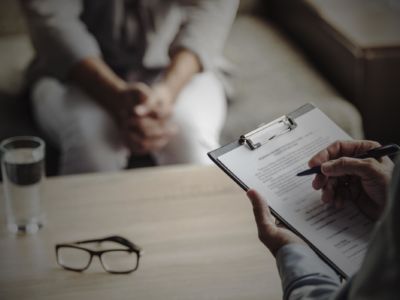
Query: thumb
[(143, 90), (144, 93), (347, 166), (261, 210)]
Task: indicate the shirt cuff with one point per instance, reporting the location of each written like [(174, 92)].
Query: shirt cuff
[(296, 262)]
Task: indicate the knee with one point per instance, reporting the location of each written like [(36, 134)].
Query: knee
[(94, 146), (46, 95)]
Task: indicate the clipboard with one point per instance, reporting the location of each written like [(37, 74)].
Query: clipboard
[(262, 137), (259, 137)]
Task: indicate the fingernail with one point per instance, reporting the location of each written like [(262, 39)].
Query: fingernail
[(315, 185)]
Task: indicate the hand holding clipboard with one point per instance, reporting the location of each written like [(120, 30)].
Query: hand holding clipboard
[(267, 160)]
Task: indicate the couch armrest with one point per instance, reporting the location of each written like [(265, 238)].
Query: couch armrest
[(356, 45)]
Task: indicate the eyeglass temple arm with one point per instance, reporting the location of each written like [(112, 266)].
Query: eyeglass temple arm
[(114, 238)]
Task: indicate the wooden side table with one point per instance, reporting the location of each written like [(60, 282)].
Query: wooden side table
[(195, 226)]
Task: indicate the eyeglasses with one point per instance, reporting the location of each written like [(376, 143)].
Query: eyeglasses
[(119, 260)]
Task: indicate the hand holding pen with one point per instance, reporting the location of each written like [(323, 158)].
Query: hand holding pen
[(376, 153), (347, 174)]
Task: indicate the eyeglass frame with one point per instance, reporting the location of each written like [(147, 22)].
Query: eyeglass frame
[(131, 248)]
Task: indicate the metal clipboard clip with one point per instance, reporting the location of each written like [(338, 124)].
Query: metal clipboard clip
[(265, 133)]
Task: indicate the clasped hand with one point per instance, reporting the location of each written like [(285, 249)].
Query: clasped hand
[(363, 181), (144, 117)]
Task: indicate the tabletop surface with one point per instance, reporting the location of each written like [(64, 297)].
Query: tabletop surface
[(194, 224)]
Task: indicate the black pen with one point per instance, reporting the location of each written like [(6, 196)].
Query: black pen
[(373, 153)]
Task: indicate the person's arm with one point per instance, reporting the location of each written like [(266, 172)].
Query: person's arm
[(183, 66), (303, 274), (69, 51), (58, 35), (95, 77), (196, 48), (142, 133), (205, 29)]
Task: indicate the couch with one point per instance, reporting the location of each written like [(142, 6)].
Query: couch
[(356, 45), (271, 76)]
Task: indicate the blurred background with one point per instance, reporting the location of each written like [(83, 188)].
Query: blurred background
[(341, 55)]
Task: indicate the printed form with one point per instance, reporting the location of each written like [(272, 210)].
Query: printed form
[(341, 235)]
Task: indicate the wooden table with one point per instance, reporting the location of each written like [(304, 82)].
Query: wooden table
[(195, 226)]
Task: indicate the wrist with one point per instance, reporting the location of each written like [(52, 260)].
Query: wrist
[(167, 91), (113, 97), (183, 66), (98, 80)]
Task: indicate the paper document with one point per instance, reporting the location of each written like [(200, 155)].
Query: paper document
[(341, 235)]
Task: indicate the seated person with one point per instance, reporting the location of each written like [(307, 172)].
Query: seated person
[(115, 78), (304, 275)]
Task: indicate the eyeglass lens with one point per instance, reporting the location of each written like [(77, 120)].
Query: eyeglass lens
[(73, 258), (119, 261), (115, 261)]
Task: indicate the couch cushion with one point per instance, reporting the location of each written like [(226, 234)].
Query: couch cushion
[(15, 54), (274, 78), (367, 23), (15, 117), (11, 20)]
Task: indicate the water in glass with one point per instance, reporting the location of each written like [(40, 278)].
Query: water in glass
[(23, 175)]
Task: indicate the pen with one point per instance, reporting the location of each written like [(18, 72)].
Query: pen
[(373, 153)]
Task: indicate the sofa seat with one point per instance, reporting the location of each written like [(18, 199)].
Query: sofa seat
[(273, 77)]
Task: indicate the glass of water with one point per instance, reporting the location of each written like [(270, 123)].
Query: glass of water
[(22, 165)]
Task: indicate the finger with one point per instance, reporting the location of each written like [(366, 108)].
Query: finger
[(161, 112), (142, 89), (363, 168), (142, 95), (153, 108), (146, 108), (159, 108), (140, 144), (152, 128), (261, 211), (146, 128), (142, 110), (342, 148), (328, 191), (343, 191), (319, 181), (150, 106)]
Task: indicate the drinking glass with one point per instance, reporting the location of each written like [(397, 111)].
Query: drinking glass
[(22, 166)]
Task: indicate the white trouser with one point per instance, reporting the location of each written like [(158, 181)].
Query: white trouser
[(89, 139)]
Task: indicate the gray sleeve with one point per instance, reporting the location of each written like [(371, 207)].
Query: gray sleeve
[(304, 275), (206, 29), (59, 37)]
